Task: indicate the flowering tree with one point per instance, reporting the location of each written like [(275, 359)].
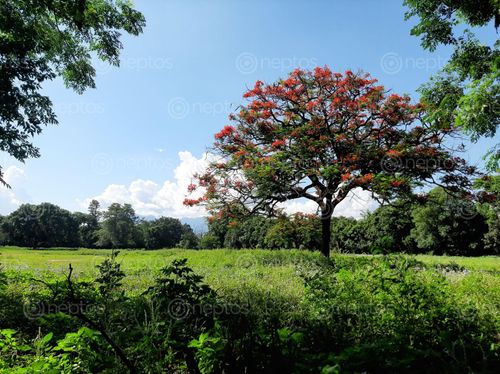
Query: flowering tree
[(319, 135)]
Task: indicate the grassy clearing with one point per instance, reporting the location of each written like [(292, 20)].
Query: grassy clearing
[(210, 263), (227, 271)]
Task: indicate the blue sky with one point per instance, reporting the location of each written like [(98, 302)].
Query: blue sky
[(145, 128)]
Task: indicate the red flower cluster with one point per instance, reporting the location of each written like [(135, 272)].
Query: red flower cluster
[(364, 179), (322, 73), (191, 202), (226, 131), (393, 153), (397, 183), (257, 90), (278, 143)]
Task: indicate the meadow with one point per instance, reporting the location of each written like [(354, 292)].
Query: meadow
[(294, 309), (221, 268)]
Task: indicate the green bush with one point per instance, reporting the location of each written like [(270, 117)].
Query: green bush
[(355, 314)]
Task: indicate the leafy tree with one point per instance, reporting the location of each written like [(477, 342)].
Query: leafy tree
[(41, 40), (4, 237), (253, 231), (189, 239), (296, 231), (218, 227), (247, 233), (84, 236), (164, 232), (319, 135), (348, 236), (299, 231), (281, 235), (389, 228), (93, 210), (118, 229), (490, 208), (307, 231), (43, 225), (447, 225), (232, 238), (467, 91), (209, 241), (88, 225)]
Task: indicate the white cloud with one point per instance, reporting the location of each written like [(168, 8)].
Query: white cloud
[(354, 205), (11, 198), (153, 199)]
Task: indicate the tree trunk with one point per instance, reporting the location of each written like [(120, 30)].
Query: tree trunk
[(326, 228)]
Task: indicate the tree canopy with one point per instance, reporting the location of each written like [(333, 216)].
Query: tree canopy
[(318, 135), (43, 39), (467, 91)]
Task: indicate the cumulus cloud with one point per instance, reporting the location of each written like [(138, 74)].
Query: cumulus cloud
[(150, 198), (354, 205), (11, 198)]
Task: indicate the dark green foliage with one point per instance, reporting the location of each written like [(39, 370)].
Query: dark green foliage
[(388, 229), (281, 234), (47, 225), (164, 232), (348, 236), (250, 233), (189, 239), (297, 231), (467, 92), (88, 225), (442, 225), (490, 185), (40, 40), (447, 225), (118, 228), (437, 18), (44, 225)]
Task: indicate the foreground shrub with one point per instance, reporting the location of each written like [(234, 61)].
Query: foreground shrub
[(365, 314), (395, 315)]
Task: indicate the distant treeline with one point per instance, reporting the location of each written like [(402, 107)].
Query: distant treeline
[(439, 225), (47, 225)]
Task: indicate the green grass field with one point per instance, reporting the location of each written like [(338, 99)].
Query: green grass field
[(408, 301), (222, 269), (84, 260)]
